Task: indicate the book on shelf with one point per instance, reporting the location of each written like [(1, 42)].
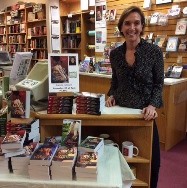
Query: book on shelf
[(92, 144), (160, 40), (181, 27), (172, 44), (71, 133), (43, 155), (14, 141), (20, 104)]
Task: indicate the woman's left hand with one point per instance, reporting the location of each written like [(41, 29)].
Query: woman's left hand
[(149, 112)]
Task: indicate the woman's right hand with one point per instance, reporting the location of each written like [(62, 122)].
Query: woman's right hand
[(110, 101)]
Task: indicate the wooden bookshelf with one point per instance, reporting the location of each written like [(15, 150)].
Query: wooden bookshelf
[(119, 127), (70, 12)]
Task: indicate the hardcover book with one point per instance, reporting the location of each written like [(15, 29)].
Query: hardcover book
[(71, 133), (20, 104), (86, 160), (65, 156), (92, 144), (14, 141), (43, 155)]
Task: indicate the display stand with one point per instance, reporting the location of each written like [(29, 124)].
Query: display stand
[(120, 127)]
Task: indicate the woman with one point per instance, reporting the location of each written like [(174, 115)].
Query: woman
[(138, 76)]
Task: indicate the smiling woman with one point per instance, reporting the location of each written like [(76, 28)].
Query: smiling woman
[(138, 76)]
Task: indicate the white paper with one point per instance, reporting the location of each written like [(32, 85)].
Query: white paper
[(91, 2), (84, 4), (100, 10), (147, 4), (55, 29), (54, 13), (100, 39), (55, 43)]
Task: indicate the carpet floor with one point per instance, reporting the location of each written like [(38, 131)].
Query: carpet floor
[(173, 170)]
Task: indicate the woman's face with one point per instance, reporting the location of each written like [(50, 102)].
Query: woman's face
[(132, 27)]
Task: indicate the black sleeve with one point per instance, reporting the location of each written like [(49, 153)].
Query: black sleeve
[(114, 81)]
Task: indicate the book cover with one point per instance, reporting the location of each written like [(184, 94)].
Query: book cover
[(14, 141), (65, 156), (92, 144), (112, 15), (43, 154), (181, 27), (86, 159), (172, 44), (71, 133), (20, 104)]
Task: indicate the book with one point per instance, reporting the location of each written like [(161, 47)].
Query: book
[(64, 156), (43, 155), (71, 133), (112, 15), (160, 40), (92, 144), (20, 104), (14, 141), (172, 44), (87, 161), (181, 27)]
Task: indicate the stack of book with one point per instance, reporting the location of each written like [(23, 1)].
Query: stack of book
[(90, 103), (12, 144), (3, 162), (63, 163), (86, 166), (20, 163), (92, 144), (31, 127), (60, 105), (40, 161), (4, 165)]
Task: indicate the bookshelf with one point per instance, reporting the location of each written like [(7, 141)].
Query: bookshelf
[(127, 127), (2, 32), (75, 25), (37, 33), (15, 31), (24, 30), (71, 33)]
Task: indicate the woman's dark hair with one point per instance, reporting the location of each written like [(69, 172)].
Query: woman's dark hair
[(126, 13)]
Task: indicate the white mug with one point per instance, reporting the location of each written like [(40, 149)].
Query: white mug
[(128, 149), (110, 143)]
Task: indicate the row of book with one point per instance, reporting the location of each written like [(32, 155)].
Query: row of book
[(71, 41), (172, 44), (17, 39), (37, 31), (60, 104), (38, 43), (85, 102), (58, 158), (90, 103), (20, 28)]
